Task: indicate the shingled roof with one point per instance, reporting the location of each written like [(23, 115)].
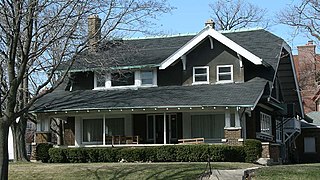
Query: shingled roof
[(152, 51), (167, 96)]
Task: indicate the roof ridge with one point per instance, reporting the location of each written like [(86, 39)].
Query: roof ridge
[(160, 36), (241, 30)]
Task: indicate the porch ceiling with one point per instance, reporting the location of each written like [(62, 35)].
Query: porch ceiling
[(233, 95)]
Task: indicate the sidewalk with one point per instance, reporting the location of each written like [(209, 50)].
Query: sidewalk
[(229, 174)]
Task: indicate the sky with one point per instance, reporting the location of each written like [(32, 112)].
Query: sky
[(190, 16)]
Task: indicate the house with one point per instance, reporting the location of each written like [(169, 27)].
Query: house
[(307, 63), (210, 87)]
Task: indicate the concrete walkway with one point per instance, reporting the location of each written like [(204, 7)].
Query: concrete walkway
[(229, 174)]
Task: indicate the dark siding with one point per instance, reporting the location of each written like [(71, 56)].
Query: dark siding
[(82, 81), (172, 75), (139, 127), (303, 157), (251, 126), (180, 125)]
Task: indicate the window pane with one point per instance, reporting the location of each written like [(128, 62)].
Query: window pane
[(207, 126), (309, 145), (224, 77), (224, 69), (146, 77), (101, 79), (114, 126), (200, 78), (92, 130), (122, 79), (200, 70), (150, 127)]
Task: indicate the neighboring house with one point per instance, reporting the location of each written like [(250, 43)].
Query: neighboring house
[(307, 64), (216, 87), (308, 143)]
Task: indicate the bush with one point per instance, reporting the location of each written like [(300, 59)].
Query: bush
[(57, 155), (253, 150), (76, 155), (42, 152), (172, 153)]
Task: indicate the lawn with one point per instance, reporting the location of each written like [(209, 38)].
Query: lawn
[(114, 170), (292, 172)]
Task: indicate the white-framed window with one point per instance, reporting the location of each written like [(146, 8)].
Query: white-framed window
[(309, 145), (201, 75), (122, 78), (265, 123), (146, 77), (224, 73), (92, 131), (278, 131)]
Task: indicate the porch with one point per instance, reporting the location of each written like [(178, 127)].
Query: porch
[(147, 127)]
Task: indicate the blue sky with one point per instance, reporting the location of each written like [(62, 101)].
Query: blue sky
[(190, 15)]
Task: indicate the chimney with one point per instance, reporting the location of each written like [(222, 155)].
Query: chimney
[(94, 32), (209, 23), (306, 53)]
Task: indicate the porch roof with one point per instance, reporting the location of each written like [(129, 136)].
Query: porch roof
[(245, 94)]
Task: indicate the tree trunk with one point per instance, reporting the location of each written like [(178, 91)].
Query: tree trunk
[(19, 143), (4, 157)]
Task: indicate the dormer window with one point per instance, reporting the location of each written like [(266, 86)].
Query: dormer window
[(100, 79), (146, 78), (224, 73), (122, 79), (201, 75)]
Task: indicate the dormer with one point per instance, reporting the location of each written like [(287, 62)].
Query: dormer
[(123, 79)]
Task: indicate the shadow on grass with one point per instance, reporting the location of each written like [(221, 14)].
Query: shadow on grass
[(147, 171)]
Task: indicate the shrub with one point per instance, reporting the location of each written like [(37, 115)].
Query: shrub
[(172, 153), (57, 155), (253, 150), (76, 155), (42, 152)]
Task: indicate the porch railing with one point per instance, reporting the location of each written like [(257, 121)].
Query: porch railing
[(118, 139)]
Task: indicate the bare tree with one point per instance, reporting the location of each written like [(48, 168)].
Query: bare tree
[(38, 36), (304, 16), (237, 14)]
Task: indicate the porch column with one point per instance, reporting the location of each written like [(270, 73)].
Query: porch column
[(237, 119), (164, 128), (77, 132)]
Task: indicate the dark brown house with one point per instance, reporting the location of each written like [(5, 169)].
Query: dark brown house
[(212, 87)]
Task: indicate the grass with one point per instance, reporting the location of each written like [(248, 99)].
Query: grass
[(292, 172), (114, 170)]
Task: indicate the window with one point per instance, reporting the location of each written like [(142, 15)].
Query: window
[(225, 73), (265, 123), (100, 79), (146, 77), (122, 79), (278, 131), (201, 75), (309, 145), (208, 126), (114, 126), (92, 130), (150, 127)]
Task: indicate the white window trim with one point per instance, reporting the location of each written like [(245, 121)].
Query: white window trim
[(225, 81), (262, 114), (193, 75)]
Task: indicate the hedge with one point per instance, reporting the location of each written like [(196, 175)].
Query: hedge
[(173, 153), (42, 153), (253, 149)]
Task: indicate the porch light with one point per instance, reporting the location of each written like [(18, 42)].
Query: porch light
[(143, 109), (190, 107), (178, 108), (202, 108), (227, 107), (109, 110), (132, 110), (167, 109), (55, 113), (77, 111), (155, 109), (88, 111), (121, 110), (214, 107), (66, 112), (98, 110)]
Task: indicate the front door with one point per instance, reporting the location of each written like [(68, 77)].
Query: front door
[(155, 128)]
